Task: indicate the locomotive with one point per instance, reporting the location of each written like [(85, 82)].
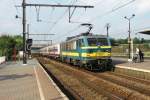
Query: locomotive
[(85, 50)]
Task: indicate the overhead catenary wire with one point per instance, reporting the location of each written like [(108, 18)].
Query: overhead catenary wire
[(80, 22), (119, 2), (43, 5), (135, 31), (55, 23), (38, 14), (60, 19), (62, 16), (75, 29), (72, 30), (98, 3), (68, 32), (113, 10), (51, 14), (55, 1), (17, 10), (73, 2)]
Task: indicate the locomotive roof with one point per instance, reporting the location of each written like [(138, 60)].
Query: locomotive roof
[(88, 36)]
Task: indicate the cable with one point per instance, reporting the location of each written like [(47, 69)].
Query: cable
[(17, 11), (76, 22), (98, 3), (74, 29), (38, 14), (52, 11), (62, 16), (113, 10), (56, 1), (135, 31), (54, 24), (139, 29)]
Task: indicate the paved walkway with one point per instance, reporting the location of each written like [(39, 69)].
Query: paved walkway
[(30, 82), (123, 62)]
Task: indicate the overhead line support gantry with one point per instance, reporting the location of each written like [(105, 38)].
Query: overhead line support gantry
[(24, 5)]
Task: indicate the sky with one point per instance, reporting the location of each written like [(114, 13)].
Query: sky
[(55, 20)]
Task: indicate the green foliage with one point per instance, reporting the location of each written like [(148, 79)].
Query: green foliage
[(116, 42), (19, 42), (122, 47), (8, 43), (122, 41), (113, 42), (136, 41)]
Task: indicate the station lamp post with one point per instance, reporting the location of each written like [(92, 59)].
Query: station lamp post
[(129, 37)]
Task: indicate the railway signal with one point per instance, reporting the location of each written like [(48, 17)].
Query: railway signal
[(28, 45)]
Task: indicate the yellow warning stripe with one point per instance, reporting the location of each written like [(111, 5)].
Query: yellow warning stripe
[(90, 47), (96, 54), (95, 47), (70, 54), (105, 47)]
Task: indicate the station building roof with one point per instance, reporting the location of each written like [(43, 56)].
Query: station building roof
[(147, 32)]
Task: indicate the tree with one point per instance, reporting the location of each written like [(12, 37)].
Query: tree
[(122, 41), (7, 45), (19, 42), (113, 41), (136, 40)]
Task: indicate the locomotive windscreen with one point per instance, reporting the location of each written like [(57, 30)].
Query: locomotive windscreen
[(97, 42)]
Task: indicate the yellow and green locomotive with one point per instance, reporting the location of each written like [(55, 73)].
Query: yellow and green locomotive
[(90, 51)]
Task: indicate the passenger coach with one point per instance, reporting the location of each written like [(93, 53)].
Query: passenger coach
[(52, 51)]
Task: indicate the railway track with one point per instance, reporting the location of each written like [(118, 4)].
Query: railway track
[(108, 85)]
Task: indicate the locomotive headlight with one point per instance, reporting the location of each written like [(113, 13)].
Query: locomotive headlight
[(108, 50)]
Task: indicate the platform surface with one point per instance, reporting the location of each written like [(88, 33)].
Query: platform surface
[(123, 62), (27, 82)]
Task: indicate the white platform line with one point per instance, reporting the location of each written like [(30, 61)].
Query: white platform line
[(39, 85), (54, 84), (131, 68)]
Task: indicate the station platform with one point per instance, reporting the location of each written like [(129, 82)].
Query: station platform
[(27, 82), (140, 69)]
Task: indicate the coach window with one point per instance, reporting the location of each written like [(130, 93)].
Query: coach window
[(71, 45), (63, 46), (67, 46), (74, 45)]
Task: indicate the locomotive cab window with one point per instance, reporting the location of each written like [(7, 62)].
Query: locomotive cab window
[(97, 42), (81, 43)]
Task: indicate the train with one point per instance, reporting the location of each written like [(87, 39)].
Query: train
[(89, 51)]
